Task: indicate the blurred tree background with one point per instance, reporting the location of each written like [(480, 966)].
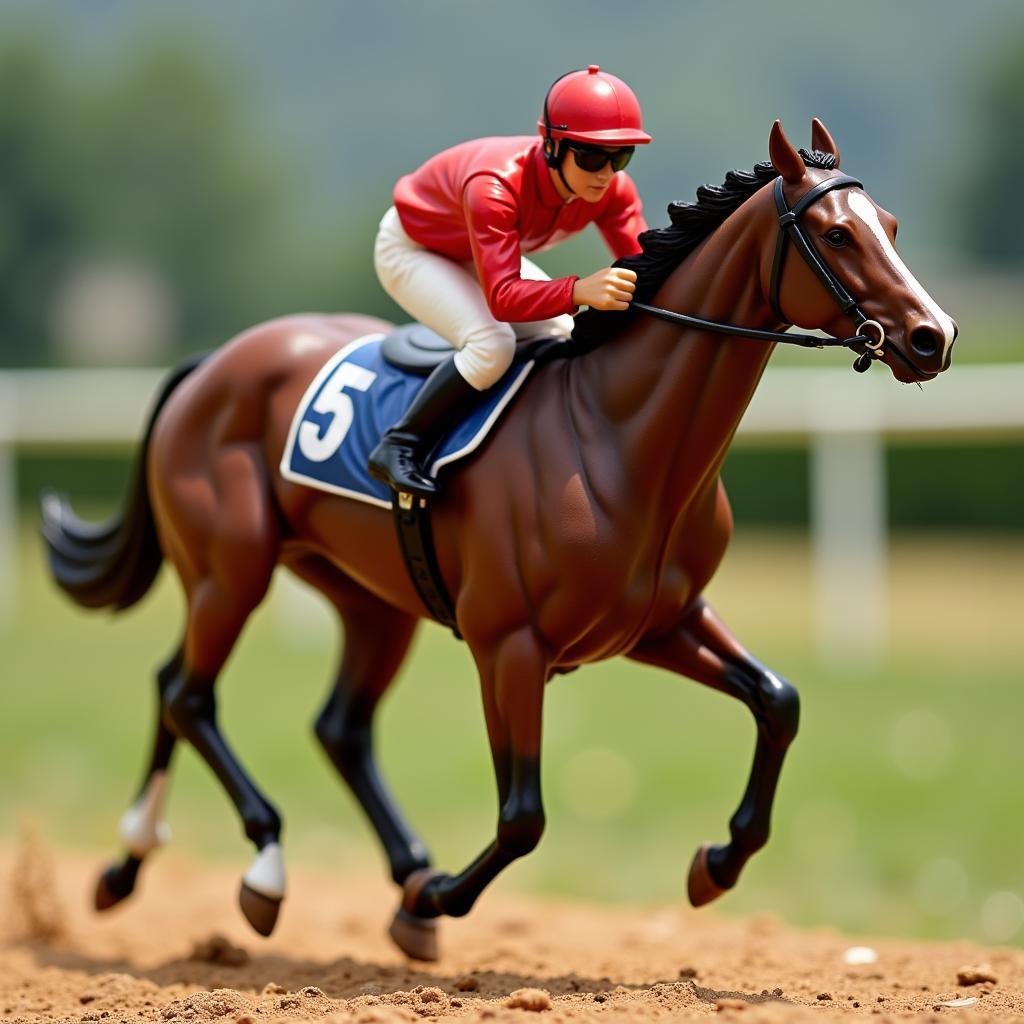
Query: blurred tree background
[(146, 182), (993, 226), (170, 175)]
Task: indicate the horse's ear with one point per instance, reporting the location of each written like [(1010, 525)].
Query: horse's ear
[(786, 160), (821, 138)]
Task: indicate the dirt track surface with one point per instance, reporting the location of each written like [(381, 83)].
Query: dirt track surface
[(179, 951)]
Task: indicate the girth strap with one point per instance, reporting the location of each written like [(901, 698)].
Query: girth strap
[(416, 539)]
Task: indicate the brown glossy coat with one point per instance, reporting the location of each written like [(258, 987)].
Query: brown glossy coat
[(587, 527)]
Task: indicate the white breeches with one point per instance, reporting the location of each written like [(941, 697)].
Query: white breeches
[(446, 296)]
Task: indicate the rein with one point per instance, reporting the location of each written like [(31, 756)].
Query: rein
[(790, 230)]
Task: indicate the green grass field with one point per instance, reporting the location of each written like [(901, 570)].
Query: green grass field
[(899, 810)]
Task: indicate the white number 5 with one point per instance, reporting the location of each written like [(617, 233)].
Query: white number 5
[(332, 399)]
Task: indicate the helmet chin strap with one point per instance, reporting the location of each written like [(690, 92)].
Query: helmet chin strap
[(562, 153)]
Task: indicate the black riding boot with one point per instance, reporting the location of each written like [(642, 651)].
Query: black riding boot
[(399, 460)]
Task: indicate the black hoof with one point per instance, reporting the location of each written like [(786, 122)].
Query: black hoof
[(415, 936), (259, 910), (116, 884)]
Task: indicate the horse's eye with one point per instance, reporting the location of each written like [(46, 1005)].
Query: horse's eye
[(837, 238)]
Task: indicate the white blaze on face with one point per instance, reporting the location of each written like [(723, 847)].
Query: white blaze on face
[(865, 209)]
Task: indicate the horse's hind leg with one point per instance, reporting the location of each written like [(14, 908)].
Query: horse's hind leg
[(700, 646), (142, 827), (221, 534), (190, 711)]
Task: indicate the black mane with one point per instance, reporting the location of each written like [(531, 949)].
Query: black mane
[(665, 248)]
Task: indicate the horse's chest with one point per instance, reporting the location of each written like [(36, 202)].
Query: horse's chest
[(600, 576), (607, 610)]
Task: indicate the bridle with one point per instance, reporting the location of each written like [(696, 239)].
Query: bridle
[(791, 231)]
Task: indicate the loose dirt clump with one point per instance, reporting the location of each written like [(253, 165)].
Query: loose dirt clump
[(976, 975), (217, 950), (535, 999)]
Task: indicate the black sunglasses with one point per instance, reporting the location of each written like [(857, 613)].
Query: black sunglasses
[(592, 158)]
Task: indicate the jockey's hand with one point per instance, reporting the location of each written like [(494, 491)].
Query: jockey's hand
[(611, 288)]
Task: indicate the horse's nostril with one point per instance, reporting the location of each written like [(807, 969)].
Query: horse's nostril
[(925, 341)]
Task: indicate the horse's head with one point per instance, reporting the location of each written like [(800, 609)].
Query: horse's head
[(854, 238)]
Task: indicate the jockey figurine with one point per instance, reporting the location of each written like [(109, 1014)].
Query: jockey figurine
[(450, 251)]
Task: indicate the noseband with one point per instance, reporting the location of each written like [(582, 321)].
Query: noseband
[(790, 230)]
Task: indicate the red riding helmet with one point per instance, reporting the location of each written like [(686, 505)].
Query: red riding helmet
[(591, 106)]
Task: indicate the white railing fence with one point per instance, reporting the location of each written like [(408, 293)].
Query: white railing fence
[(845, 418)]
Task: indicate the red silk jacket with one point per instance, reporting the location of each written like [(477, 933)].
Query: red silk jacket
[(491, 199)]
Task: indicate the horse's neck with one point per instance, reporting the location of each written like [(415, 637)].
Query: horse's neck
[(676, 397)]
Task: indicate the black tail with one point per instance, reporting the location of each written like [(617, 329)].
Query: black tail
[(111, 565)]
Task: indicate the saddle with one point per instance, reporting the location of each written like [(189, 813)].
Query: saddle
[(417, 349)]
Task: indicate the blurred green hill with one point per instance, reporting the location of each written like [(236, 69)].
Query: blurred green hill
[(242, 152)]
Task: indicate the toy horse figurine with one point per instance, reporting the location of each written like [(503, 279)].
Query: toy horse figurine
[(587, 527)]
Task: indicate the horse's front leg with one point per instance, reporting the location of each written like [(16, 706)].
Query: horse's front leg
[(512, 677), (700, 646)]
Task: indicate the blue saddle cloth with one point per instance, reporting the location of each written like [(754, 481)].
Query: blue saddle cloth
[(354, 398)]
